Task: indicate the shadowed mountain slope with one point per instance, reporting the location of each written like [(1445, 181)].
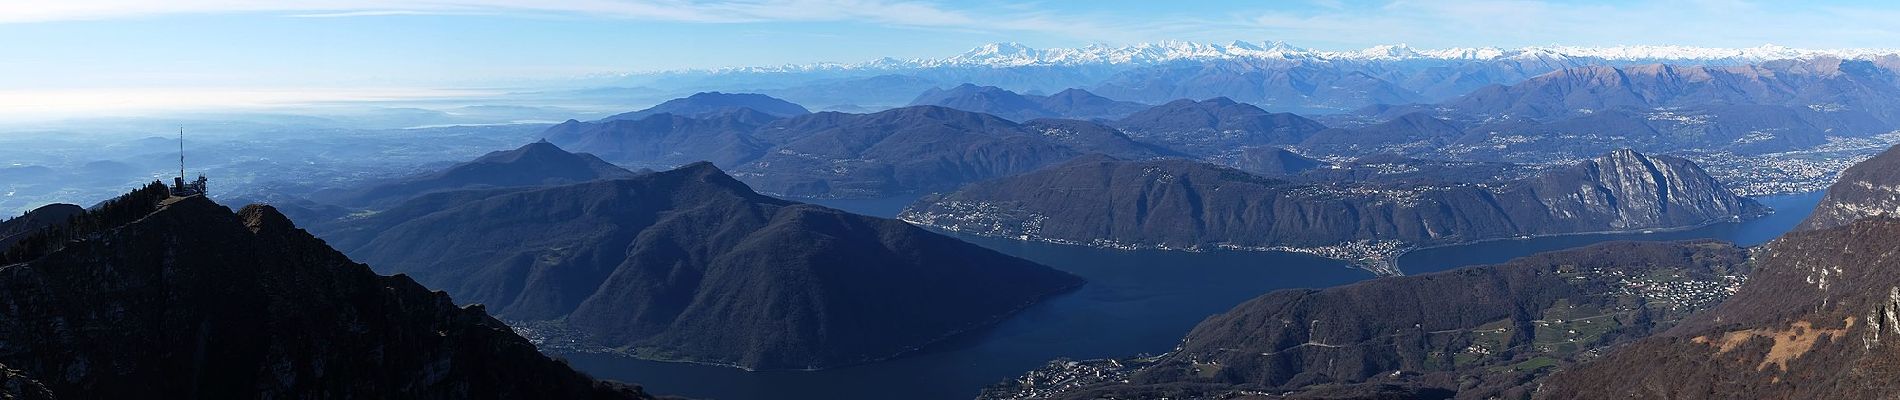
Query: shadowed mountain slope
[(692, 265), (1216, 126), (1070, 103), (12, 230), (186, 299), (1176, 204), (535, 164), (709, 103), (842, 155)]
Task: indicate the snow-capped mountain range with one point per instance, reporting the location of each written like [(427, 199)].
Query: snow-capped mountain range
[(1001, 55), (1274, 75)]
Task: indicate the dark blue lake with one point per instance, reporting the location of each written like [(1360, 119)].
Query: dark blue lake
[(1135, 302)]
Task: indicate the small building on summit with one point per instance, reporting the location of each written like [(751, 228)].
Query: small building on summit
[(179, 187)]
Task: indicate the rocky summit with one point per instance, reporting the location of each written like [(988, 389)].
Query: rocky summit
[(1817, 319), (1871, 188), (155, 297)]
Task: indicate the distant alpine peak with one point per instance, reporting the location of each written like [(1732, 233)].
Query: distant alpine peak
[(1011, 54), (1005, 54)]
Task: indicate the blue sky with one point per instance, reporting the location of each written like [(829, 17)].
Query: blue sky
[(241, 44)]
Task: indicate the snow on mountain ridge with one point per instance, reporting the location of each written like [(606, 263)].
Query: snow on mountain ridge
[(1010, 54)]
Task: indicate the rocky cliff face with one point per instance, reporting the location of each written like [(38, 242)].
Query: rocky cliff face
[(1816, 320), (692, 265), (1175, 204), (15, 385), (1871, 188), (1473, 333), (1626, 190), (190, 300)]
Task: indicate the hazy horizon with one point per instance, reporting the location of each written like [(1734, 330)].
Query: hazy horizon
[(94, 56)]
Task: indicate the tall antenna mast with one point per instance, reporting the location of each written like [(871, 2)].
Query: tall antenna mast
[(181, 152)]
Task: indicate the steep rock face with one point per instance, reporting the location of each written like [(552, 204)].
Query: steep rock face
[(535, 164), (1216, 126), (1816, 320), (12, 230), (692, 265), (1870, 188), (1628, 190), (195, 301), (1070, 103), (1480, 332), (709, 103), (15, 385), (1183, 204)]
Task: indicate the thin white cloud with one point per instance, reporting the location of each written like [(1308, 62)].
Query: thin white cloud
[(47, 11), (724, 11), (376, 13), (40, 105), (895, 13)]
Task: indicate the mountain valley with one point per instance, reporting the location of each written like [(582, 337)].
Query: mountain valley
[(1179, 220)]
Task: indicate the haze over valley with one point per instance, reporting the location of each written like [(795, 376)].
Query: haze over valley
[(739, 199)]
